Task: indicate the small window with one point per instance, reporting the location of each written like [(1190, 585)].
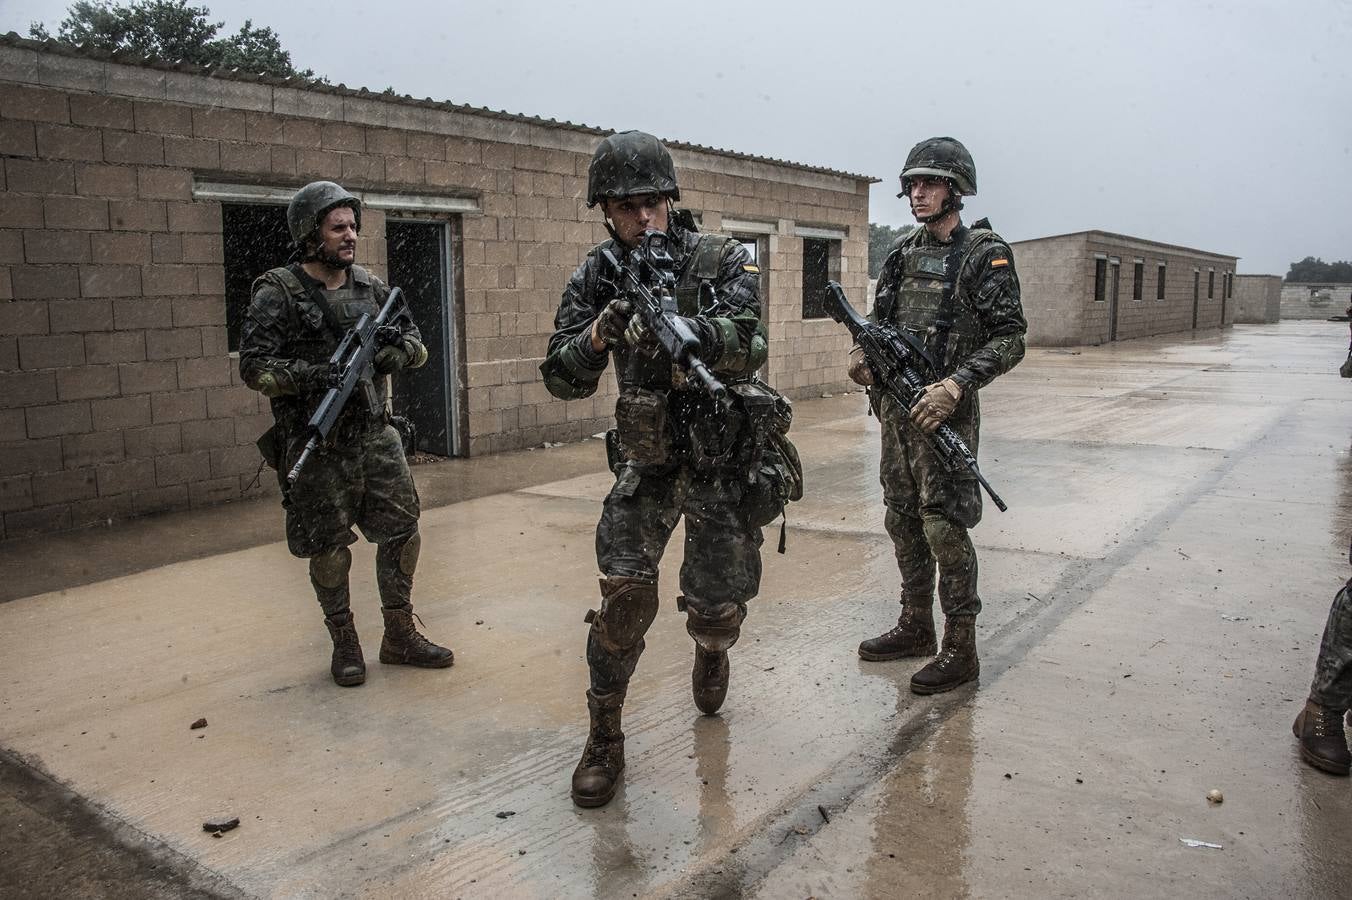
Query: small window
[(1137, 278), (1211, 284), (1159, 282), (821, 263), (1100, 280), (256, 239), (1229, 285)]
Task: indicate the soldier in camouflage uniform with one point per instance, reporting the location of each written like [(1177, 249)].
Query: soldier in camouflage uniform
[(298, 315), (681, 453), (1319, 726), (955, 289)]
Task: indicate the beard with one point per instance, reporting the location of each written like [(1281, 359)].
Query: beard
[(332, 259)]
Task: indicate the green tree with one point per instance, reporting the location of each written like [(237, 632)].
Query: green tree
[(880, 240), (171, 30), (1312, 269)]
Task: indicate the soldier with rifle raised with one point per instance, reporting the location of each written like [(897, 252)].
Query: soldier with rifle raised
[(319, 337), (696, 435), (952, 291)]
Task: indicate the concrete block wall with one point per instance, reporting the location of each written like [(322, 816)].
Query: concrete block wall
[(1314, 301), (1057, 276), (1258, 298), (1051, 281), (118, 396)]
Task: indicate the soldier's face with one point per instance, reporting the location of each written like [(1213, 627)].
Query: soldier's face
[(631, 216), (338, 238), (928, 193)]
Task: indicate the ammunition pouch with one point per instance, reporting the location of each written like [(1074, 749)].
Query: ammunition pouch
[(642, 426), (775, 476), (272, 445)]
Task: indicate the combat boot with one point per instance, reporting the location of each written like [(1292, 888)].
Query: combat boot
[(1323, 743), (348, 667), (912, 636), (404, 646), (956, 663), (709, 679), (598, 772)]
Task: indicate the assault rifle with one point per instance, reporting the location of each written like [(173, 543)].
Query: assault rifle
[(651, 264), (901, 369), (349, 366)]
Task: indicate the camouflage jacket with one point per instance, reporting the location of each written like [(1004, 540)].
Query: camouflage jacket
[(732, 337), (987, 305), (287, 335)]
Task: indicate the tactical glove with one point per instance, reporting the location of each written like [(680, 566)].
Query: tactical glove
[(936, 404), (391, 359), (291, 378), (610, 325), (860, 373)]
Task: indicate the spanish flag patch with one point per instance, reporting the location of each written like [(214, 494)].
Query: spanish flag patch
[(997, 263), (748, 267)]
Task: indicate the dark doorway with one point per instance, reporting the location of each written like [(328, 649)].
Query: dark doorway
[(255, 239), (1196, 293), (417, 253), (1114, 277)]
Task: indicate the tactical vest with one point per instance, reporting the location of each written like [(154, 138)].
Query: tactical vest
[(701, 268), (948, 328), (322, 327)]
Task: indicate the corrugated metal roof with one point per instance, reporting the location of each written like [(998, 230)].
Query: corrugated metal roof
[(14, 39)]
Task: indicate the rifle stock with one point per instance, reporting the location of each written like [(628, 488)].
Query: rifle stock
[(901, 369)]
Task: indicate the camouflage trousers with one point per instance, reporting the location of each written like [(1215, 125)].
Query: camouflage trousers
[(721, 570), (929, 510), (362, 480), (1332, 686)]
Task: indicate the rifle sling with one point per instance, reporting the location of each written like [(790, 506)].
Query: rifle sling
[(316, 293)]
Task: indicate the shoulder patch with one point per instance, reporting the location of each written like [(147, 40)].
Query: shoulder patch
[(752, 268), (998, 262)]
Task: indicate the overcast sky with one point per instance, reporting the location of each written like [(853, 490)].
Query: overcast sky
[(1225, 126)]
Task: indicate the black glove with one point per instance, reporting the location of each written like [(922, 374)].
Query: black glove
[(610, 325), (390, 359)]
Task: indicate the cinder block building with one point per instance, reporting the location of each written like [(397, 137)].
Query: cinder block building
[(1301, 300), (1091, 287), (1258, 299), (138, 201)]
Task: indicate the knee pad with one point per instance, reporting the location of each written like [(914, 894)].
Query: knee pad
[(714, 627), (329, 569), (948, 541), (401, 553), (628, 607)]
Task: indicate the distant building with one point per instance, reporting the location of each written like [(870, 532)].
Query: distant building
[(1311, 300), (139, 200), (1258, 299), (1092, 287)]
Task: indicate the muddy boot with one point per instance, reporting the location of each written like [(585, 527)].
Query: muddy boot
[(709, 679), (598, 772), (956, 663), (404, 646), (348, 667), (912, 636), (1323, 744)]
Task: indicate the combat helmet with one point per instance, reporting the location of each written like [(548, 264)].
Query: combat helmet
[(628, 164), (311, 203), (944, 157)]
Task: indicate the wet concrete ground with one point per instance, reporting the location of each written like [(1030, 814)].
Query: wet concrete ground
[(1178, 524)]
